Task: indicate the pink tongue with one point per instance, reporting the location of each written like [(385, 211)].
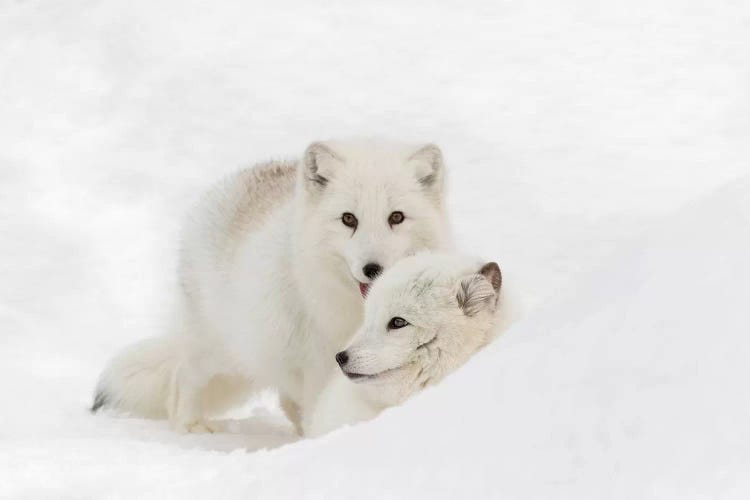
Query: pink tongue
[(363, 287)]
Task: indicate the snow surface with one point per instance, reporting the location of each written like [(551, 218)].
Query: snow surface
[(587, 143)]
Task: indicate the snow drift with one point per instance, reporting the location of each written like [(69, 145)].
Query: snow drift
[(632, 384), (569, 129)]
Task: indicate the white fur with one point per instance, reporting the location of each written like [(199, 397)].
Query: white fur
[(452, 309), (270, 278)]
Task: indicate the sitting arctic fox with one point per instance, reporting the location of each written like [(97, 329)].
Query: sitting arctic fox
[(273, 270), (424, 318)]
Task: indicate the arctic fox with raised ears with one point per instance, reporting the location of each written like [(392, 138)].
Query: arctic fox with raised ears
[(274, 268)]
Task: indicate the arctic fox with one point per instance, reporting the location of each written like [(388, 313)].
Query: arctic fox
[(423, 319), (275, 264)]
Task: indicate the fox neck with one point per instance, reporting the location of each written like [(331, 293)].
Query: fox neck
[(331, 300)]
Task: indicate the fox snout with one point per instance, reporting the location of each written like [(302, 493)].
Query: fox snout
[(370, 271), (342, 358)]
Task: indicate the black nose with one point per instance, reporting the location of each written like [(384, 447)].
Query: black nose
[(342, 358), (372, 270)]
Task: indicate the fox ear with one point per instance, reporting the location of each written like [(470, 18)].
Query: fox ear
[(480, 291), (491, 271), (319, 163), (428, 167)]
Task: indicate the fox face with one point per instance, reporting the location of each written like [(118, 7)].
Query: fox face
[(367, 206), (424, 318)]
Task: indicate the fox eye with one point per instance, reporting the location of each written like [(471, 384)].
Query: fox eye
[(396, 218), (349, 220), (396, 323)]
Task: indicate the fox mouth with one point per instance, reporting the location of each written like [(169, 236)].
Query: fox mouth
[(364, 377), (357, 376), (364, 288)]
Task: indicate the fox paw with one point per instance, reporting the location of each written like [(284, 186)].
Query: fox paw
[(195, 427)]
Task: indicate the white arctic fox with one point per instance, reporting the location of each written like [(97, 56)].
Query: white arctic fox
[(275, 264), (423, 319)]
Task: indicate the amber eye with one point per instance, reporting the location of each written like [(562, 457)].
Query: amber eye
[(396, 218), (396, 323), (349, 220)]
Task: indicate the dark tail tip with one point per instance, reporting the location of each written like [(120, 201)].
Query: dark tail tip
[(99, 400)]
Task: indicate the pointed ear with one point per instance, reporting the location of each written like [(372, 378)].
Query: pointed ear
[(319, 163), (480, 291), (491, 271), (428, 167)]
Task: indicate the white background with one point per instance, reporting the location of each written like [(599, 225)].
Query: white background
[(578, 136)]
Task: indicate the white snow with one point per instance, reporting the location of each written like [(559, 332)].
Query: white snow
[(597, 151)]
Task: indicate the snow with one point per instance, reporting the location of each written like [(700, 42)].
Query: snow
[(599, 152)]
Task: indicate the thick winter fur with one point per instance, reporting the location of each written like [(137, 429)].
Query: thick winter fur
[(272, 278), (450, 306)]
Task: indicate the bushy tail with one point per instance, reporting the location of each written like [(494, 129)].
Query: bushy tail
[(138, 379)]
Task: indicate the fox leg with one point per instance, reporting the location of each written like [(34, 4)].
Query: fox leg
[(184, 403), (292, 411)]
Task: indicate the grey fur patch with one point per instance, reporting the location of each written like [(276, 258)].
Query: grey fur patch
[(100, 400), (421, 286), (318, 179), (428, 180), (475, 293)]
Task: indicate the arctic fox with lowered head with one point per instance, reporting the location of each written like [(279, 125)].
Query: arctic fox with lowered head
[(424, 318), (275, 264)]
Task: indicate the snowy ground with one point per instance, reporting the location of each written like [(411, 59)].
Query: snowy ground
[(599, 153)]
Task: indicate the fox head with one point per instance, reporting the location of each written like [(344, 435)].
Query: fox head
[(423, 319), (364, 205)]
